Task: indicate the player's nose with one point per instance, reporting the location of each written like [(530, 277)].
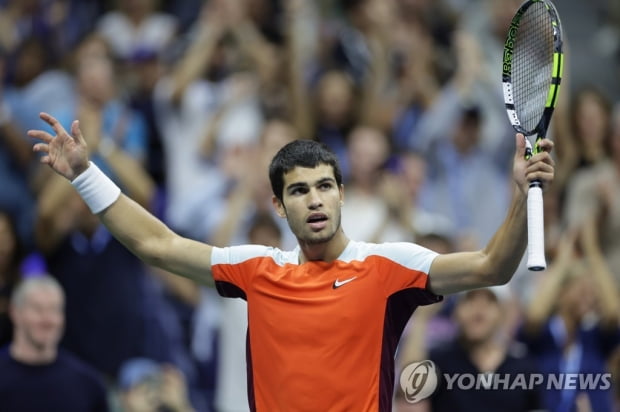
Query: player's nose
[(314, 199)]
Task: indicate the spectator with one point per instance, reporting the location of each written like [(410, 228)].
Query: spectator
[(369, 151), (459, 166), (595, 191), (188, 102), (109, 293), (571, 323), (11, 253), (16, 160), (401, 190), (584, 127), (135, 26), (35, 374), (101, 109), (146, 386), (481, 348)]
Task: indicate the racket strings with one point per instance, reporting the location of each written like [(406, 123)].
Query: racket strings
[(532, 65)]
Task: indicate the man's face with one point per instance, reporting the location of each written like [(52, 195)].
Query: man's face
[(311, 202), (478, 315), (39, 318)]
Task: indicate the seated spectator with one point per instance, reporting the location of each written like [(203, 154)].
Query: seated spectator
[(35, 374), (479, 348)]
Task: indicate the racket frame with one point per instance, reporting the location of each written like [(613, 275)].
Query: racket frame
[(536, 256)]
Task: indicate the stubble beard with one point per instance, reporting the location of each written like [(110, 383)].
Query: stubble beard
[(310, 240)]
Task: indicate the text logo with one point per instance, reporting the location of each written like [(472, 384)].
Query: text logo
[(418, 380), (509, 48)]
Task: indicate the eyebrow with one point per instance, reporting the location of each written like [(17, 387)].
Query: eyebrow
[(304, 184)]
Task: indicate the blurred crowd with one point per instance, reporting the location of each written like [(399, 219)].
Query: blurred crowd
[(183, 104)]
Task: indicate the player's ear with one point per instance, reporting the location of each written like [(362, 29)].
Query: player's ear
[(279, 206), (341, 190)]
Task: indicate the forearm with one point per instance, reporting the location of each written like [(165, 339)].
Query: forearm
[(493, 265), (601, 274), (546, 293), (299, 96), (505, 250), (21, 149), (142, 233), (375, 81), (195, 61)]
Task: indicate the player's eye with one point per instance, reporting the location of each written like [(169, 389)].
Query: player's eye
[(298, 191), (325, 186)]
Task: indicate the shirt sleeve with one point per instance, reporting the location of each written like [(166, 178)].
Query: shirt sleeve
[(236, 266), (406, 266)]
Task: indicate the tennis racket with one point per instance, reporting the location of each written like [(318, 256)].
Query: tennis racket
[(531, 75)]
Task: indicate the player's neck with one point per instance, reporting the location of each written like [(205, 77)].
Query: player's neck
[(32, 355), (327, 251)]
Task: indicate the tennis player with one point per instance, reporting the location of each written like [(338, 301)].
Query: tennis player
[(325, 318)]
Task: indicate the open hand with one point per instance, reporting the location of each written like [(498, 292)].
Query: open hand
[(66, 153)]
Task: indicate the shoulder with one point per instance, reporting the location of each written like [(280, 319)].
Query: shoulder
[(82, 370), (410, 255), (5, 357), (239, 254)]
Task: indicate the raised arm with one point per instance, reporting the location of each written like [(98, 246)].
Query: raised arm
[(497, 262), (143, 234)]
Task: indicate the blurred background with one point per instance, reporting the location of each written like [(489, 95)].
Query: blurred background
[(183, 103)]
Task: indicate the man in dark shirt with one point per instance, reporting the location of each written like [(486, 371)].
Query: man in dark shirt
[(485, 372), (35, 374)]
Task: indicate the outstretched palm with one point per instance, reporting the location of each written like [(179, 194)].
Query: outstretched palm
[(66, 153)]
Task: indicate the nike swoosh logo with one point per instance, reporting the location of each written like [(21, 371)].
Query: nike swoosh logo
[(338, 283)]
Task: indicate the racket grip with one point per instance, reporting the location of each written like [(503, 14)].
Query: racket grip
[(535, 228)]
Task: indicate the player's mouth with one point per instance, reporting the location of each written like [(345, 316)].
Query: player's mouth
[(317, 221)]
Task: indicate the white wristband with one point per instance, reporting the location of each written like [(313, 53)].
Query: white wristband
[(97, 190)]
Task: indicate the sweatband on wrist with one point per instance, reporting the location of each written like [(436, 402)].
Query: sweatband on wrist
[(97, 190)]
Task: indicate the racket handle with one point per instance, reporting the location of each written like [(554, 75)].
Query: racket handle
[(535, 228)]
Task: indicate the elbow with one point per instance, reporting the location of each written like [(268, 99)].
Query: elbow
[(153, 251), (493, 273)]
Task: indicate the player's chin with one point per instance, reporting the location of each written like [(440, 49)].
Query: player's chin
[(317, 238)]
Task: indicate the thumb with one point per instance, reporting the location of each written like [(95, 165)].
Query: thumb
[(520, 145), (77, 133)]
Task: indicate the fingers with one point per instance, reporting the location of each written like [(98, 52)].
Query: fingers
[(520, 143), (77, 133), (41, 135), (41, 147), (540, 167), (546, 145), (55, 124)]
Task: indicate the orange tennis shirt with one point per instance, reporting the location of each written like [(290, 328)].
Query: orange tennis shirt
[(322, 336)]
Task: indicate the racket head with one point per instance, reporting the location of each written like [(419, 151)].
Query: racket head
[(532, 67)]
